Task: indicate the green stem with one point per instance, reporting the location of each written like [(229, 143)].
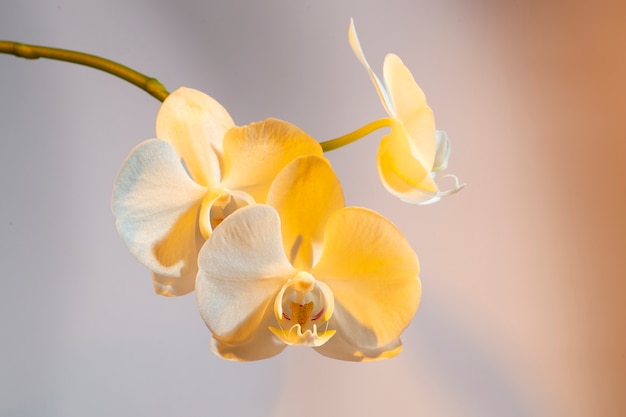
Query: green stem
[(151, 85), (344, 140)]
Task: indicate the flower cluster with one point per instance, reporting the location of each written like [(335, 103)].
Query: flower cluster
[(253, 219)]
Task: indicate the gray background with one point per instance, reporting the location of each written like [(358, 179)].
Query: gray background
[(522, 271)]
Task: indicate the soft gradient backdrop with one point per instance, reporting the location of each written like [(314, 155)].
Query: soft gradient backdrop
[(523, 271)]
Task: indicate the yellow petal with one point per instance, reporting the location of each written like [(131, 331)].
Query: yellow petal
[(409, 103), (342, 348), (241, 269), (373, 273), (305, 193), (195, 125), (254, 154), (400, 172)]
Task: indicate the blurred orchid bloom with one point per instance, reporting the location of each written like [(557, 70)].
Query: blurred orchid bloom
[(413, 155), (171, 192), (305, 270)]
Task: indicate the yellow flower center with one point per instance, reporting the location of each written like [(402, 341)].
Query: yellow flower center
[(301, 313), (302, 306)]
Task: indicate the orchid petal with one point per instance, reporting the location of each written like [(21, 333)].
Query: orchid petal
[(343, 348), (305, 193), (402, 174), (411, 109), (443, 151), (423, 197), (260, 344), (195, 125), (397, 169), (254, 154), (380, 88), (373, 273), (242, 268), (430, 198), (183, 284), (156, 206)]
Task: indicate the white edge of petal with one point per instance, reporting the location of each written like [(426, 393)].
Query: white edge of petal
[(442, 153), (358, 51)]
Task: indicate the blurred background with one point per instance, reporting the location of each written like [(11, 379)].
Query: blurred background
[(523, 279)]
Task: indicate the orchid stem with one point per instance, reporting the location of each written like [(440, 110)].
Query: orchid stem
[(151, 85), (361, 132)]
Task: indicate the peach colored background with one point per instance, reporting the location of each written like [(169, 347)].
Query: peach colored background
[(522, 311)]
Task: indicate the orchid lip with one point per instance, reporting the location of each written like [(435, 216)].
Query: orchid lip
[(313, 318), (295, 336), (300, 296), (318, 315)]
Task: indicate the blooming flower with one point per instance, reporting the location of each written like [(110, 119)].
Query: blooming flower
[(305, 270), (413, 155), (171, 192)]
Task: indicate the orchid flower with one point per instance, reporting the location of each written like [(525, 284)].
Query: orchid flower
[(171, 192), (305, 270), (413, 155)]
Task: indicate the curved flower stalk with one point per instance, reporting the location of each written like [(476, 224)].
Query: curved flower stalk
[(171, 192), (305, 270), (413, 155)]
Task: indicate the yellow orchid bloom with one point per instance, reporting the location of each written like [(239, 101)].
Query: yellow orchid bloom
[(305, 270), (413, 155), (171, 192)]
